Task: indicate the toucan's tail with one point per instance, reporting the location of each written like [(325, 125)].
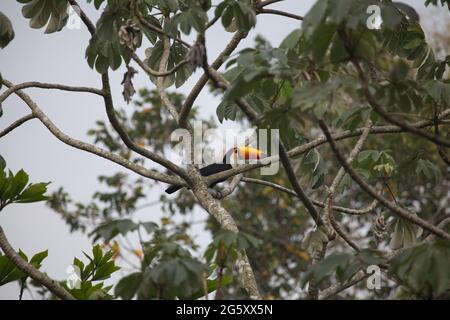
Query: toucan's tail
[(172, 189)]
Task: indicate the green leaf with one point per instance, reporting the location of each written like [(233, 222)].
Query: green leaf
[(226, 111), (37, 259), (52, 13), (111, 229), (424, 269), (324, 268), (104, 271), (6, 32), (212, 285)]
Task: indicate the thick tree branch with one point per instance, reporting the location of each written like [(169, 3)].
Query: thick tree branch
[(261, 4), (226, 221), (403, 213), (31, 271), (16, 124), (229, 189), (111, 113)]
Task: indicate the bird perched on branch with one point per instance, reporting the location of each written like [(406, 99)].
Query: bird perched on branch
[(230, 159)]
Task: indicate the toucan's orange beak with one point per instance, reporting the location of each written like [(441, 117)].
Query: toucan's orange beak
[(248, 153)]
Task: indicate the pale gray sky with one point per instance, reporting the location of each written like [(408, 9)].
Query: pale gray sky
[(59, 58)]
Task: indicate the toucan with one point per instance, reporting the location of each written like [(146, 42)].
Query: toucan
[(229, 160)]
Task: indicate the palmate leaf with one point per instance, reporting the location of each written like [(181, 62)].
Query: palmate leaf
[(52, 13), (177, 54)]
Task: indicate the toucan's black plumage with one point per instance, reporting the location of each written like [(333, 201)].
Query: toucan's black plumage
[(206, 171), (244, 152)]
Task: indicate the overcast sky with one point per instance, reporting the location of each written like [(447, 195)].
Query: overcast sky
[(59, 58)]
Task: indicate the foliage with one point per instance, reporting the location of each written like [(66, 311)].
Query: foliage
[(310, 75), (14, 188)]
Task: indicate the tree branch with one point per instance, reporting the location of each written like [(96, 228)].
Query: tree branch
[(155, 73), (16, 124), (160, 81), (198, 87), (328, 212), (152, 174), (403, 213), (297, 151), (127, 140), (231, 186), (154, 28), (31, 271), (388, 117), (90, 26)]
